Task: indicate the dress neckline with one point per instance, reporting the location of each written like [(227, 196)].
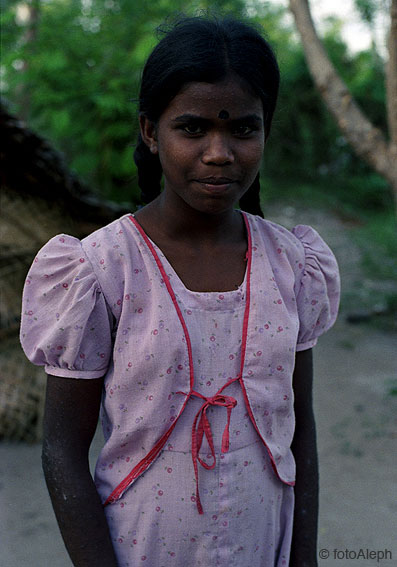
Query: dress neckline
[(237, 293)]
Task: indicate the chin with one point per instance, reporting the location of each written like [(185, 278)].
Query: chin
[(214, 207)]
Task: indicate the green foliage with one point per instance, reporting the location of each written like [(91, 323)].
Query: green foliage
[(368, 86), (392, 387), (378, 244), (367, 9), (381, 231), (306, 144), (76, 80), (73, 72)]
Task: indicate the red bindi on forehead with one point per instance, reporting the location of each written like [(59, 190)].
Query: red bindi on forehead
[(223, 115)]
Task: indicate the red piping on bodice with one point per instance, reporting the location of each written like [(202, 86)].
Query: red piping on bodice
[(201, 425)]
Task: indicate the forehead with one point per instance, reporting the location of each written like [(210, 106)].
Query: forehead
[(210, 99)]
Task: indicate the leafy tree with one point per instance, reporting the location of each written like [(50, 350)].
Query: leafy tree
[(367, 140), (72, 69), (80, 71)]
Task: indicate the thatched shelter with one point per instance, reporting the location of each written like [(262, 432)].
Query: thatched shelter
[(39, 198)]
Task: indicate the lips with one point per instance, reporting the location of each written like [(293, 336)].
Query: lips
[(215, 185), (215, 180)]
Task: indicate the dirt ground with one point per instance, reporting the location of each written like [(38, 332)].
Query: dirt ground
[(357, 433)]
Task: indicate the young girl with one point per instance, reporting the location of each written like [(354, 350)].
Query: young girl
[(191, 324)]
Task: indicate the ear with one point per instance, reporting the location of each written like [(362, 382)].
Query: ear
[(148, 133)]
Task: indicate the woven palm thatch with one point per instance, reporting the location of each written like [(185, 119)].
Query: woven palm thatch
[(22, 390), (39, 198)]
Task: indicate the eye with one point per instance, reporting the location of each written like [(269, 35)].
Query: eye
[(244, 130), (192, 128)]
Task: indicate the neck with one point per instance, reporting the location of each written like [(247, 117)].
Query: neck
[(196, 227)]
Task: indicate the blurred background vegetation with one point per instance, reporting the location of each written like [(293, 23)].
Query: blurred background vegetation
[(71, 70)]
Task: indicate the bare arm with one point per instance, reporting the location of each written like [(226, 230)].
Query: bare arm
[(71, 416), (304, 448)]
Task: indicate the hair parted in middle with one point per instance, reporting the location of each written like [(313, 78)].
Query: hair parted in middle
[(204, 49)]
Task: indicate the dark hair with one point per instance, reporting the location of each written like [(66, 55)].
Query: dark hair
[(204, 49)]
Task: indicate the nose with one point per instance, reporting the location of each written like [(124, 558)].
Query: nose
[(218, 150)]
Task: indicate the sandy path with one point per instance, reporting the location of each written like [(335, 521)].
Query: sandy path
[(356, 422)]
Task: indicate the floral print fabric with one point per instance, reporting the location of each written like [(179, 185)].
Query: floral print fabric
[(247, 511), (84, 316)]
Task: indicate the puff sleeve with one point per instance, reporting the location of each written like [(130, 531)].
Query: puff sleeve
[(65, 323), (318, 290)]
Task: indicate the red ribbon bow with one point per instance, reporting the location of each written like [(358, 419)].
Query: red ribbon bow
[(204, 428)]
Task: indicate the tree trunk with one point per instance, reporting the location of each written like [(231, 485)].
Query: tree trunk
[(367, 141), (391, 85)]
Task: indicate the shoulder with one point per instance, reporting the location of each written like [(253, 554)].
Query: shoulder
[(280, 243), (110, 245), (302, 256), (63, 245), (107, 235), (299, 243), (272, 231), (65, 262)]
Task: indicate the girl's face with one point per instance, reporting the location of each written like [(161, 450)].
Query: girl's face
[(210, 141)]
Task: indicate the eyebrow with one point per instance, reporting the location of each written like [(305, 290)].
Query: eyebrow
[(194, 117)]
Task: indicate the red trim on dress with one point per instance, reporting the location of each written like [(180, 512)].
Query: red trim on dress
[(243, 349), (201, 425), (172, 294)]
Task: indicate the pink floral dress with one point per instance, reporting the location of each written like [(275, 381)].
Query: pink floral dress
[(102, 308)]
